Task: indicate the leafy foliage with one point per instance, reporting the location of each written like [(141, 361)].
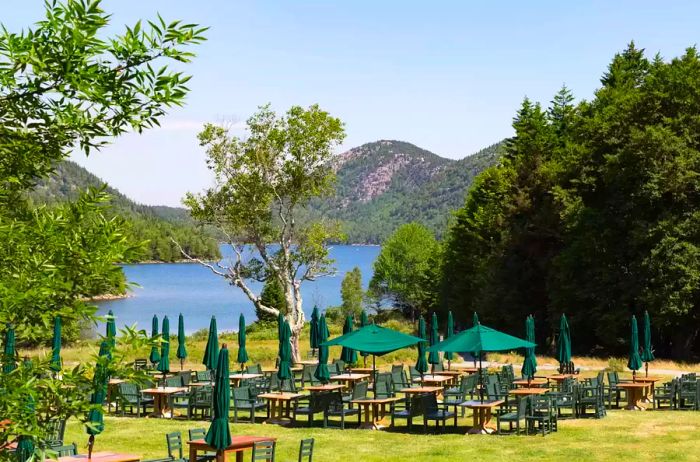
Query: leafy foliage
[(593, 211), (352, 294)]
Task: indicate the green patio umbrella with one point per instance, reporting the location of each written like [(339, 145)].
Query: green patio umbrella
[(219, 434), (364, 321), (647, 351), (211, 350), (280, 325), (95, 422), (563, 343), (155, 354), (242, 357), (481, 339), (313, 335), (25, 443), (164, 364), (322, 372), (375, 340), (9, 360), (449, 333), (284, 370), (421, 363), (434, 356), (111, 328), (55, 363), (181, 341), (634, 363), (348, 354), (530, 362)]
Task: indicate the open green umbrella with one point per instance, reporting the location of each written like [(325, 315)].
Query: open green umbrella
[(530, 363), (434, 356), (322, 373), (219, 434), (55, 363), (647, 351), (480, 339), (111, 328), (164, 364), (95, 422), (284, 370), (9, 360), (155, 329), (449, 333), (314, 334), (421, 363), (375, 340), (634, 363), (563, 343), (211, 350), (181, 341), (363, 323), (348, 354), (242, 353)]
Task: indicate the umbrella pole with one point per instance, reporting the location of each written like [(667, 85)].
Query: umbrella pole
[(91, 443), (374, 369), (646, 369), (182, 363), (481, 380)]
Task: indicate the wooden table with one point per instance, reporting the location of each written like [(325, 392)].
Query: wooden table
[(238, 445), (435, 380), (101, 456), (482, 412), (199, 384), (635, 394), (528, 391), (374, 420), (420, 390), (161, 399), (277, 403), (467, 369), (349, 380), (361, 370), (454, 375), (649, 391), (308, 362), (238, 378), (532, 383), (326, 387)]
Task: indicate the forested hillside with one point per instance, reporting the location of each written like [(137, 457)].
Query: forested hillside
[(384, 184), (155, 224)]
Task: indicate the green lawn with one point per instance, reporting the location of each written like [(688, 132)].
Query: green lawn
[(651, 435)]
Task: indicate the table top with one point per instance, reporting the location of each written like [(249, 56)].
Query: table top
[(361, 370), (102, 456), (350, 377), (450, 373), (465, 368), (308, 362), (368, 401), (409, 391), (561, 377), (482, 405), (648, 379), (326, 387), (164, 390), (433, 378), (116, 381), (199, 384), (632, 385), (237, 442), (525, 382), (281, 396), (528, 391), (271, 370), (244, 376)]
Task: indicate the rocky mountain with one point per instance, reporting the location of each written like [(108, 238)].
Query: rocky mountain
[(384, 184)]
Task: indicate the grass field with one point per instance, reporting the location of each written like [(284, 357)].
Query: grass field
[(623, 435)]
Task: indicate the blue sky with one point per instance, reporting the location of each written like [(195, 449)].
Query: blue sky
[(446, 76)]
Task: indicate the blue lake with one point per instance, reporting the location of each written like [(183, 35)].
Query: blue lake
[(190, 289)]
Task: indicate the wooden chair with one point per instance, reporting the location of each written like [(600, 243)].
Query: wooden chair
[(64, 450), (244, 400), (200, 434), (264, 451), (306, 450)]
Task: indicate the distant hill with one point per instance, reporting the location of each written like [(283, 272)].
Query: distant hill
[(384, 184), (157, 224)]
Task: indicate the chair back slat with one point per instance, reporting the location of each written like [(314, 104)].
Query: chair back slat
[(264, 451)]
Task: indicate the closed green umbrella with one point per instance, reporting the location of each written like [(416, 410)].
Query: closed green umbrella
[(363, 323), (348, 354), (434, 356), (155, 354), (219, 434), (284, 370), (634, 363), (530, 363), (314, 334), (647, 351), (322, 373), (95, 421), (55, 363), (9, 359), (111, 328), (421, 363), (563, 343), (25, 443), (280, 325), (164, 364), (242, 353), (211, 350), (181, 341), (449, 333)]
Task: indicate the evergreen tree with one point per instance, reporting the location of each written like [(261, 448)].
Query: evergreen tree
[(352, 293), (272, 295)]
